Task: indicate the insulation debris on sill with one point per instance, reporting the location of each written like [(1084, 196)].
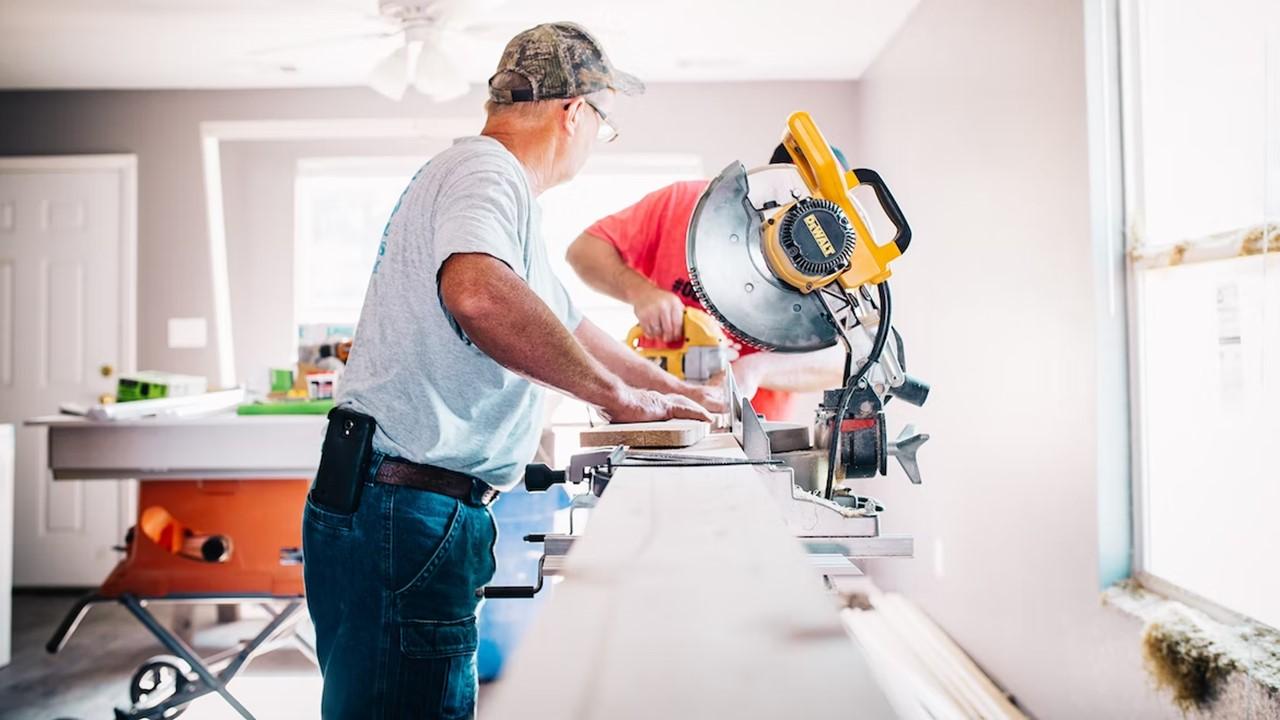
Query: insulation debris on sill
[(1244, 242), (1193, 655)]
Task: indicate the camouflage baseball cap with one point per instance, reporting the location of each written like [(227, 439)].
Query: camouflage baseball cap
[(557, 60)]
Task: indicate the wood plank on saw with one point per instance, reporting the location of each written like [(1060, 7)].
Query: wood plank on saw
[(664, 434)]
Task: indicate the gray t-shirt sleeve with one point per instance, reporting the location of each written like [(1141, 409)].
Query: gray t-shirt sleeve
[(480, 213)]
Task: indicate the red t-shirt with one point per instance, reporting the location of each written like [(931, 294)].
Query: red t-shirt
[(651, 236)]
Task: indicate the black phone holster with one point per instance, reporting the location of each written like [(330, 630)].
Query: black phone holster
[(344, 461)]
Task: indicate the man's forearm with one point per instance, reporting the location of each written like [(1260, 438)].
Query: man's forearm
[(601, 267), (512, 325), (626, 364)]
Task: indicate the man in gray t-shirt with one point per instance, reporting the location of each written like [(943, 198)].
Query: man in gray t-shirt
[(463, 324)]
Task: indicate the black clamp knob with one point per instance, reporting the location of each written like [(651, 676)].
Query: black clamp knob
[(539, 477)]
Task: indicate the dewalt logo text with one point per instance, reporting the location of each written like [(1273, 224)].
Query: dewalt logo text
[(819, 235)]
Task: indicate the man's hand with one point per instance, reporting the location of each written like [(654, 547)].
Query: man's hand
[(661, 314), (640, 373), (648, 405), (710, 396)]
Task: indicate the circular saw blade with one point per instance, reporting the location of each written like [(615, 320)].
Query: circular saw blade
[(728, 268)]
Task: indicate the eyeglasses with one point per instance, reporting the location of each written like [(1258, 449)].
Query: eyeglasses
[(607, 132)]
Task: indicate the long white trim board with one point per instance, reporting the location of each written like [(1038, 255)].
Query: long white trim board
[(688, 598)]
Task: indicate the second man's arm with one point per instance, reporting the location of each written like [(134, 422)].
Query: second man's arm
[(660, 313)]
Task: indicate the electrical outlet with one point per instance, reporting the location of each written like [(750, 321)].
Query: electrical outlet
[(188, 333)]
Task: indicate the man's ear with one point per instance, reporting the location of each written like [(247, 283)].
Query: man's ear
[(573, 116)]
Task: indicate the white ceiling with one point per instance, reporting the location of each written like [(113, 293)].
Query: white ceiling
[(228, 43)]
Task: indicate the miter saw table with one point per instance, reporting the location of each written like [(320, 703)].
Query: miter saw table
[(835, 532)]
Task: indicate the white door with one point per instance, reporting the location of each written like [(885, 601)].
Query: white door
[(67, 244)]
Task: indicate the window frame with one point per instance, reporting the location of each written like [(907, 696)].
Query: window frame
[(1127, 48)]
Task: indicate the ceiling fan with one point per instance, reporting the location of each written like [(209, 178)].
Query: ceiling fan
[(429, 33), (429, 30)]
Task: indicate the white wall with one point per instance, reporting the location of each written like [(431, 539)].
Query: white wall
[(976, 116)]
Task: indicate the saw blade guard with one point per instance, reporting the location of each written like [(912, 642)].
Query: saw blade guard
[(732, 277)]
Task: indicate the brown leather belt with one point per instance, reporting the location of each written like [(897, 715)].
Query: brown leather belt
[(452, 484)]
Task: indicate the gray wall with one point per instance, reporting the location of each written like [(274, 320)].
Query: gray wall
[(976, 115), (720, 122)]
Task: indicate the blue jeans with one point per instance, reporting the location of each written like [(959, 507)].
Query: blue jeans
[(392, 592)]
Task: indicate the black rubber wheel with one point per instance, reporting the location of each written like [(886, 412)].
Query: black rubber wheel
[(159, 679)]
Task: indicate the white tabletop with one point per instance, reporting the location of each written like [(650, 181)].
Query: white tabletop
[(222, 446)]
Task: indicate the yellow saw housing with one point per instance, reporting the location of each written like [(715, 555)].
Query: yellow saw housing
[(813, 242)]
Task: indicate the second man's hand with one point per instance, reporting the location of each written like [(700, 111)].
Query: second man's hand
[(661, 313)]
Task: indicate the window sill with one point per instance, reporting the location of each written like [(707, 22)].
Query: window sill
[(1227, 665)]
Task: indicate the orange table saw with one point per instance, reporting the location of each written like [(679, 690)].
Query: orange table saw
[(219, 514)]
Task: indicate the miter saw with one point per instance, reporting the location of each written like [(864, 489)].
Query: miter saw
[(699, 355), (783, 256)]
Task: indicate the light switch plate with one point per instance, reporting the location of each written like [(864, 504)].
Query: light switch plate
[(188, 333)]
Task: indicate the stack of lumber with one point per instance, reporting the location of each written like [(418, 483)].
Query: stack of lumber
[(922, 671)]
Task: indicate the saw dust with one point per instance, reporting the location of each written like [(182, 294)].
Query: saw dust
[(1194, 656)]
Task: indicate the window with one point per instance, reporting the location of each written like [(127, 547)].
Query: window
[(341, 207), (1202, 205)]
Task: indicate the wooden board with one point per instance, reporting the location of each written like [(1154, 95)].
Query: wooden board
[(687, 598), (665, 434)]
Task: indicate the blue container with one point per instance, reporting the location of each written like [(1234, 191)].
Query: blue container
[(503, 622)]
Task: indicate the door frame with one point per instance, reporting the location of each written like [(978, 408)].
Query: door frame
[(126, 166)]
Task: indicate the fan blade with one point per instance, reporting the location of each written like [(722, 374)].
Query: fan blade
[(390, 77), (324, 42), (437, 76)]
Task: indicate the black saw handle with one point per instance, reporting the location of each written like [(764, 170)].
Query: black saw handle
[(902, 238)]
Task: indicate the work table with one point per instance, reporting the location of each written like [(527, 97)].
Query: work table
[(222, 446)]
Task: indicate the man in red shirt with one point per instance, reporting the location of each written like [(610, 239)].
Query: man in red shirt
[(637, 255)]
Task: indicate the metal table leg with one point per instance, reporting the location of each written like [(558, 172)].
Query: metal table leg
[(72, 621), (182, 650)]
